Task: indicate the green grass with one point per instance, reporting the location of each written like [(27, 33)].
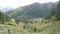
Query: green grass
[(3, 32), (47, 28)]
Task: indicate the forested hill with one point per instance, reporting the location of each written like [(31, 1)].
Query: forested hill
[(55, 12), (35, 10), (3, 17)]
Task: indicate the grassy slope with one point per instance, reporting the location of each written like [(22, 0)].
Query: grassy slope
[(49, 28), (54, 28)]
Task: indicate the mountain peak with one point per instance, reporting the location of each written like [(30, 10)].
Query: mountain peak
[(6, 9)]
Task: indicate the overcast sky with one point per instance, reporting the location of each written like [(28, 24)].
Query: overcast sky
[(18, 3)]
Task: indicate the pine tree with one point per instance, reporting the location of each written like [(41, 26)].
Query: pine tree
[(1, 17), (58, 11)]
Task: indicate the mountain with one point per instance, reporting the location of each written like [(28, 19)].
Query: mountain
[(6, 9), (35, 10)]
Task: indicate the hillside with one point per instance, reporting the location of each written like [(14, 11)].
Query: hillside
[(35, 10), (4, 17)]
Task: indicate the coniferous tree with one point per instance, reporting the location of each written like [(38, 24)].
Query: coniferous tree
[(1, 17), (58, 11)]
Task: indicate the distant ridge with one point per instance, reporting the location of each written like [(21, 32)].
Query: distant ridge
[(6, 9)]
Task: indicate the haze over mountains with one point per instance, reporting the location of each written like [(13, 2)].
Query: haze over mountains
[(5, 9)]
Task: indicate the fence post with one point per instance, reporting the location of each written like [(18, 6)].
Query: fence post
[(8, 31)]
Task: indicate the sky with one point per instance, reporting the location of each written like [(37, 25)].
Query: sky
[(18, 3)]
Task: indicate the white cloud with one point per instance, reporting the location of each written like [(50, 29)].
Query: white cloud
[(9, 3), (18, 3)]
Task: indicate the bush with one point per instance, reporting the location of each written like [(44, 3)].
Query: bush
[(53, 18), (12, 22), (0, 22)]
